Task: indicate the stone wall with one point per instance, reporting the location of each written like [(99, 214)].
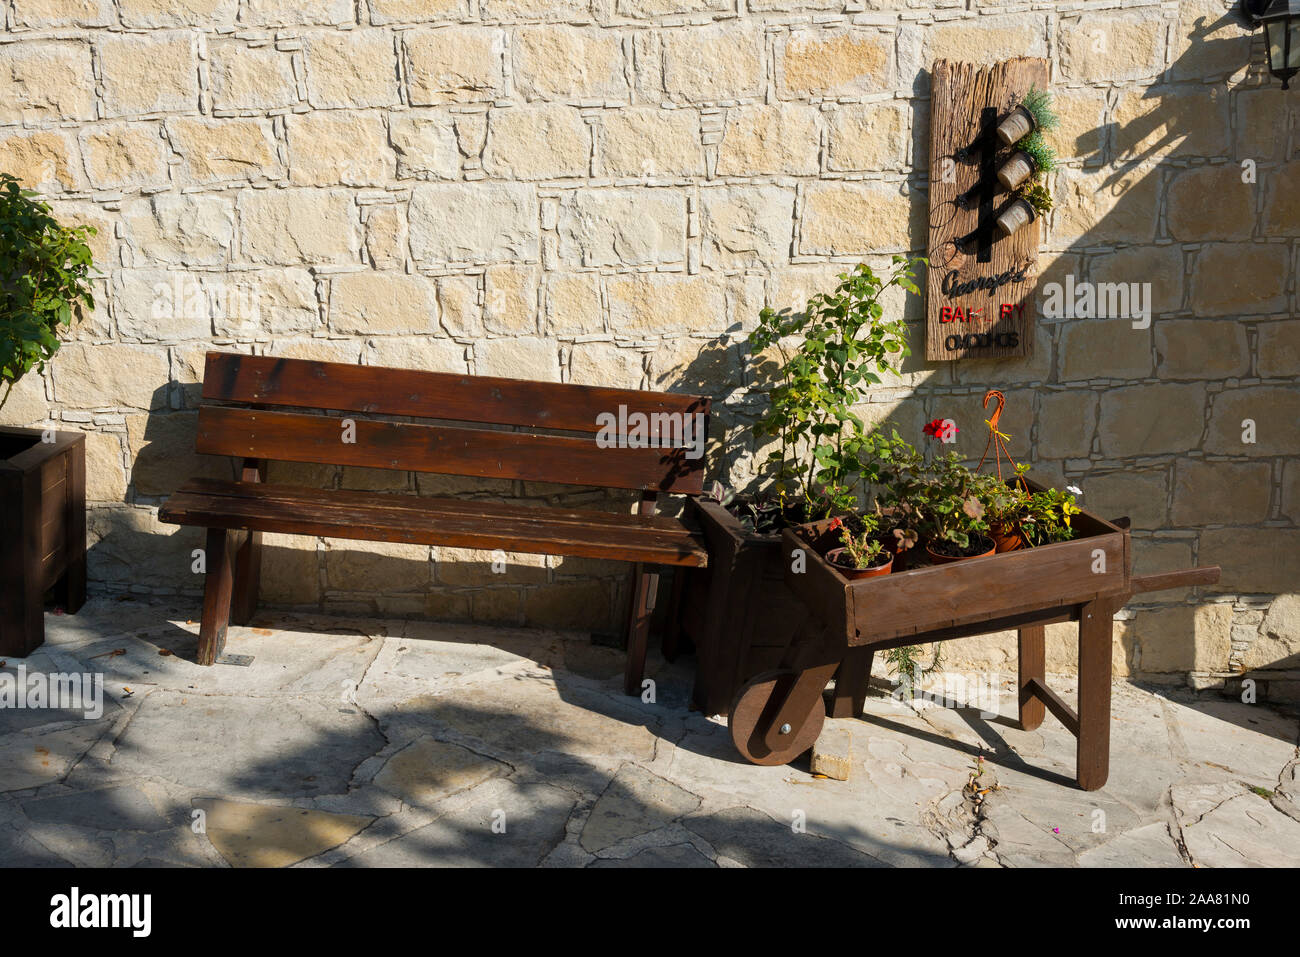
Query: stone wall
[(607, 191)]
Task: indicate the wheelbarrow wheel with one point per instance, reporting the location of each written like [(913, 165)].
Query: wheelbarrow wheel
[(752, 710)]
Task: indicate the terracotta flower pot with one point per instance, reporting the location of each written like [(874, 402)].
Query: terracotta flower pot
[(1016, 170), (1019, 213), (1018, 124), (1006, 538), (941, 559), (853, 574), (899, 556)]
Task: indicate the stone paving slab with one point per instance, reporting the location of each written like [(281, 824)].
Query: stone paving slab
[(379, 742)]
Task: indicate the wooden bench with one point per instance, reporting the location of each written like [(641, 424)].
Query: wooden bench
[(545, 432)]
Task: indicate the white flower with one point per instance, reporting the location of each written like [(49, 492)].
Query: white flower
[(1074, 489)]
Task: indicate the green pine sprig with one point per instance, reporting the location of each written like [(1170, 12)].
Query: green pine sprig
[(1036, 148), (1039, 104)]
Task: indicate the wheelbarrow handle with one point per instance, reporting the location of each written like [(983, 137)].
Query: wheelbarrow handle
[(1201, 575)]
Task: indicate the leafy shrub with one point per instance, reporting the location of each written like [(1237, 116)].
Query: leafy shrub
[(44, 273), (844, 344)]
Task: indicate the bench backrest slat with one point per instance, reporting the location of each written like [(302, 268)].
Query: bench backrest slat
[(449, 450), (302, 383)]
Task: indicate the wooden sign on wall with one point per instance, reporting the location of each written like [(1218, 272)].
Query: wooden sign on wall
[(980, 287)]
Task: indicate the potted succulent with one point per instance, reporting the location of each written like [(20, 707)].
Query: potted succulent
[(1033, 157), (862, 553), (44, 283), (1033, 200), (1034, 113)]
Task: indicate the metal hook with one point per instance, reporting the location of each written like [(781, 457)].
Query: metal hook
[(997, 413)]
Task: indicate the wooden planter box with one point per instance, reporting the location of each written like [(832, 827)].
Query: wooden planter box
[(738, 611), (42, 532), (994, 592)]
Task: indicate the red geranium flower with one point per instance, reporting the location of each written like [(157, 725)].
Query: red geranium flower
[(936, 428), (835, 523)]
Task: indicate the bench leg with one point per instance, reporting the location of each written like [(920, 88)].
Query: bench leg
[(1032, 667), (248, 574), (851, 681), (638, 627), (248, 564), (216, 594), (1093, 747)]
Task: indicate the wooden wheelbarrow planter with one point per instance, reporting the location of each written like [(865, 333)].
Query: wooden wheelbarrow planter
[(776, 715)]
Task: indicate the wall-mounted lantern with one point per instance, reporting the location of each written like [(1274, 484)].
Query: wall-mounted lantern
[(1281, 22)]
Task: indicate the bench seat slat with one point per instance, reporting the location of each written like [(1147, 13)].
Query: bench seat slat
[(430, 521), (287, 436), (272, 381), (477, 509)]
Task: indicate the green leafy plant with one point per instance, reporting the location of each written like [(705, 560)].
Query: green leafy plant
[(897, 469), (950, 510), (844, 344), (1042, 155), (933, 498), (44, 276), (1039, 105), (1005, 502), (1048, 518), (938, 499)]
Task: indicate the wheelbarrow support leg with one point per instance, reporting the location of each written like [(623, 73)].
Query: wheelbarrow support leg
[(1093, 746), (851, 681), (1033, 667)]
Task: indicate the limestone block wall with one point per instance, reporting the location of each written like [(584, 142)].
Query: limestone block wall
[(607, 191)]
